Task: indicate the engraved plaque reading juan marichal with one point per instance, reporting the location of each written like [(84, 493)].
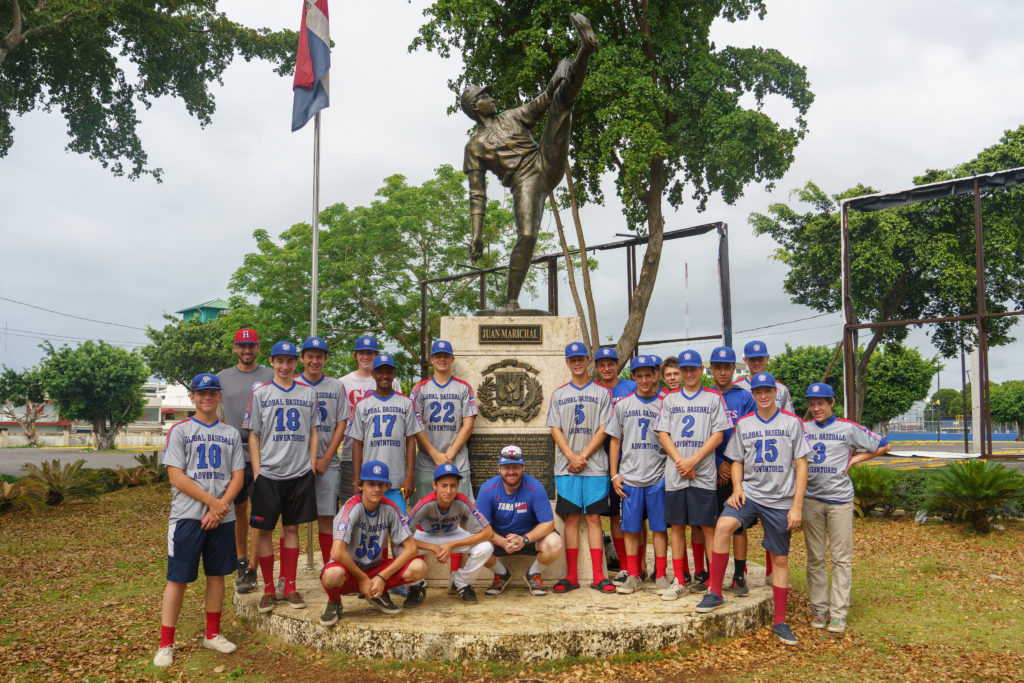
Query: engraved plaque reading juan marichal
[(538, 451), (511, 334)]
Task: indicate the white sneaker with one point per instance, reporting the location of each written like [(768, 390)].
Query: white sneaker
[(661, 583), (630, 585), (164, 656), (674, 592), (220, 644)]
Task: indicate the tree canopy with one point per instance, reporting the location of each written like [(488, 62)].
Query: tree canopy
[(663, 108), (98, 383), (183, 349), (910, 262), (950, 402), (372, 258), (23, 399), (98, 62), (1007, 404)]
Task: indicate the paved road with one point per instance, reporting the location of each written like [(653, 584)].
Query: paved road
[(1009, 448), (11, 459)]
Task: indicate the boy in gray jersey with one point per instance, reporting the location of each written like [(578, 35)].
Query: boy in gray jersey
[(637, 467), (284, 445), (238, 383), (447, 407), (828, 505), (577, 416), (205, 467), (333, 408), (367, 524), (692, 423), (768, 450), (382, 423), (446, 522)]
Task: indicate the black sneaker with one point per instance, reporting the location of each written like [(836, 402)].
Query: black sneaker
[(417, 593), (468, 594), (246, 581), (700, 582), (739, 587), (384, 604)]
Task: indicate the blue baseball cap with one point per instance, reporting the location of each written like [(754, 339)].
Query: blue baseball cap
[(366, 344), (576, 349), (446, 470), (441, 346), (205, 381), (641, 362), (375, 470), (762, 379), (755, 349), (606, 352), (284, 349), (383, 359), (820, 390), (511, 455), (314, 344), (657, 360), (722, 354), (690, 359)]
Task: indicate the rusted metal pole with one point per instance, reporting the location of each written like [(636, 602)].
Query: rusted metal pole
[(979, 264), (483, 291), (553, 286), (849, 319), (629, 280), (963, 390), (724, 287), (423, 331)]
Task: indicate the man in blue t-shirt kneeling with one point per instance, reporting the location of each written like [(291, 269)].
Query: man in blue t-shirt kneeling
[(518, 508)]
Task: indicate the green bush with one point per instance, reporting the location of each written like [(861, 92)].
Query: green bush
[(105, 479), (872, 486), (61, 481), (8, 478), (975, 488), (908, 492), (20, 495), (152, 462)]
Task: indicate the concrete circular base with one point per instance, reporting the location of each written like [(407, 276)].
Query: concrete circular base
[(512, 627)]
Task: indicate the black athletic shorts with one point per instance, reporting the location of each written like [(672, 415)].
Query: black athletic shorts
[(246, 491), (564, 506), (293, 500)]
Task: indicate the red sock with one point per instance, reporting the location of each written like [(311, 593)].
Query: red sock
[(597, 562), (779, 597), (571, 560), (632, 564), (698, 556), (267, 569), (333, 594), (456, 561), (767, 564), (660, 565), (680, 569), (719, 561), (212, 624), (166, 636), (280, 547), (326, 541), (289, 566), (620, 549)]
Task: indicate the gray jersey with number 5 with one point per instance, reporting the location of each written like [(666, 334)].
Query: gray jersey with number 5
[(579, 412)]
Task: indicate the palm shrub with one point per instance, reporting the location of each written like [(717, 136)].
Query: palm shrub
[(61, 482), (19, 495), (871, 486), (974, 488), (152, 461), (136, 476)]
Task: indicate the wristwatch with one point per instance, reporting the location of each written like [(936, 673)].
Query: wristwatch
[(526, 540)]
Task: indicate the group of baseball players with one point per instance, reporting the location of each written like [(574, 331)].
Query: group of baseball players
[(658, 453)]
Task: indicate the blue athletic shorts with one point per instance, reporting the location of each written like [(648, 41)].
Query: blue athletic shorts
[(396, 497), (640, 500), (776, 535), (187, 542), (691, 506), (581, 495)]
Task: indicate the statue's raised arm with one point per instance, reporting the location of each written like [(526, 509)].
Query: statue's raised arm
[(504, 145)]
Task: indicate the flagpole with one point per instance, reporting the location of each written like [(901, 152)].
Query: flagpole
[(314, 281)]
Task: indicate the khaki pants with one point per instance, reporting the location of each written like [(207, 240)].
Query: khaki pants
[(832, 524)]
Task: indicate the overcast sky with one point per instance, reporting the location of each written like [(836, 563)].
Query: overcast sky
[(899, 88)]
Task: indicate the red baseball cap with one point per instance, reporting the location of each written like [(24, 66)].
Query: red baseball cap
[(246, 336)]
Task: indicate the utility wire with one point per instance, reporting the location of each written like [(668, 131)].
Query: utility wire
[(69, 315)]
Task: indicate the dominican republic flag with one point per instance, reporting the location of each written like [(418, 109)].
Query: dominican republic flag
[(311, 86)]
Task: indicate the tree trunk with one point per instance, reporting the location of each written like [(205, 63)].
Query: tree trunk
[(979, 520), (649, 270), (861, 378), (1020, 431), (104, 438), (595, 336), (569, 270)]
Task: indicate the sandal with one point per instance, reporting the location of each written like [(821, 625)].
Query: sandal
[(604, 585), (564, 586)]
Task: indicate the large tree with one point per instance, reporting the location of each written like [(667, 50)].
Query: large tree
[(98, 383), (98, 61), (1008, 404), (23, 399), (898, 378), (663, 108), (910, 262), (372, 259), (183, 349), (949, 401)]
